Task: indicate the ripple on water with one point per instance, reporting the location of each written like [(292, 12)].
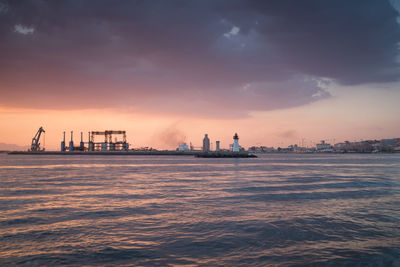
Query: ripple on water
[(274, 210)]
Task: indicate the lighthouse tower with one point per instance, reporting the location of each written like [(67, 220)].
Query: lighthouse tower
[(236, 147)]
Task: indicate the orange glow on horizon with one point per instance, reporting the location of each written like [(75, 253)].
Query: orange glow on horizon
[(341, 118)]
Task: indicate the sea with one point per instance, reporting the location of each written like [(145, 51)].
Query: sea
[(274, 210)]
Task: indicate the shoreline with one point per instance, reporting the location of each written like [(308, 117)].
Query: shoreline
[(106, 153), (168, 153)]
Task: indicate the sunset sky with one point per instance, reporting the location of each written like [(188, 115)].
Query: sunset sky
[(167, 71)]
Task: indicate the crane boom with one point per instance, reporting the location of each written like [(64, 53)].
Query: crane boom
[(35, 140)]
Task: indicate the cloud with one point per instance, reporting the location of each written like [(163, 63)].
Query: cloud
[(396, 5), (4, 8), (23, 29), (288, 134), (12, 147), (200, 57), (234, 31)]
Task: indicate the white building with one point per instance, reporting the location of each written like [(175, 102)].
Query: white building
[(323, 146), (183, 147), (236, 147)]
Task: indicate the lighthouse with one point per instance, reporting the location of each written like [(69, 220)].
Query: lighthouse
[(236, 147)]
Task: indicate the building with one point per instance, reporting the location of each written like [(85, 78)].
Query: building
[(236, 147), (109, 144), (183, 147), (217, 146), (206, 143), (340, 147), (323, 146), (71, 143)]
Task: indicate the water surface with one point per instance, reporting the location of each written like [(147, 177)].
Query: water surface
[(278, 209)]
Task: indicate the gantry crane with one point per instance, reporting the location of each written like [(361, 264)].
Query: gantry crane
[(35, 140)]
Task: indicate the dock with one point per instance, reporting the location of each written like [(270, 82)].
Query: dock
[(106, 153), (225, 154)]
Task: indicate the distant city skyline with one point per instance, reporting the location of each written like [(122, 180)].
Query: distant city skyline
[(276, 72)]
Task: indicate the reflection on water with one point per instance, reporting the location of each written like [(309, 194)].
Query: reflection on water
[(148, 210)]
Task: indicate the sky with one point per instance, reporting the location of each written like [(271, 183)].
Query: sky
[(168, 71)]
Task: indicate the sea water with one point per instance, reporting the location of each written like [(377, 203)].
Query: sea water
[(278, 209)]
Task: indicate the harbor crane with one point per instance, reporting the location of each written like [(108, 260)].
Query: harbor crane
[(35, 140)]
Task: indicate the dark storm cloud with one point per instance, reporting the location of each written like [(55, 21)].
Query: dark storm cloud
[(351, 41), (184, 55)]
